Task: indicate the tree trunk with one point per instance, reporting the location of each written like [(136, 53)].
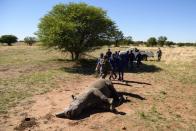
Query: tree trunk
[(10, 44), (77, 54), (72, 55), (116, 43)]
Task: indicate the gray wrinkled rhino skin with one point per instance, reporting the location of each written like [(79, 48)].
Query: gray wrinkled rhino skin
[(100, 94)]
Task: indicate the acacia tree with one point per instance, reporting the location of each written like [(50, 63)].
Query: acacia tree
[(29, 40), (162, 40), (118, 36), (169, 43), (74, 27), (152, 41), (128, 40), (9, 39)]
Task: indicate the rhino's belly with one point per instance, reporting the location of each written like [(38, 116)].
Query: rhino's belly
[(86, 100)]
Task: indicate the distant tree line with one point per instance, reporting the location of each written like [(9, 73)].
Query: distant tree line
[(151, 42), (79, 27), (29, 40), (10, 39), (116, 39), (162, 41)]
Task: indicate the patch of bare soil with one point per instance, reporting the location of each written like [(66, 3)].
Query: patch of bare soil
[(26, 123), (164, 105)]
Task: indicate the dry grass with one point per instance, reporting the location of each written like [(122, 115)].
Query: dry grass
[(26, 71), (177, 62)]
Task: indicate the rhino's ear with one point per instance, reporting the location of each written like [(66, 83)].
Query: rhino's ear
[(73, 97)]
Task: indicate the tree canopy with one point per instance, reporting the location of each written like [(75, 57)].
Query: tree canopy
[(75, 27), (29, 40), (9, 39), (118, 36), (152, 41), (162, 40)]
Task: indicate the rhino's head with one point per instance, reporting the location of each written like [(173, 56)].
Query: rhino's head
[(68, 113), (71, 112)]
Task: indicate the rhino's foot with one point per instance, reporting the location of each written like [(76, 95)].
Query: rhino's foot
[(121, 100), (112, 108), (111, 101), (60, 115)]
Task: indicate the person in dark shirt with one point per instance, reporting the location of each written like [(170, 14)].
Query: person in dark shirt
[(126, 59), (109, 53), (159, 54), (139, 59), (116, 54), (120, 67), (131, 59)]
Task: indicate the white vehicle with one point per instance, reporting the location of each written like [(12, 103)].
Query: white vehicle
[(145, 54)]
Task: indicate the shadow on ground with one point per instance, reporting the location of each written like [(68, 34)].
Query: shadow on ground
[(83, 66), (143, 68), (127, 82), (87, 67), (132, 95)]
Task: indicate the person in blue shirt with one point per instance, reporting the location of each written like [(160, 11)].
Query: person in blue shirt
[(113, 63), (120, 66)]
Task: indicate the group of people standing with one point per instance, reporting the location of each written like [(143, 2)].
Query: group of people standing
[(112, 63)]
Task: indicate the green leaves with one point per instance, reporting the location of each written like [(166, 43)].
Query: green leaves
[(152, 41), (9, 39), (29, 40), (74, 27)]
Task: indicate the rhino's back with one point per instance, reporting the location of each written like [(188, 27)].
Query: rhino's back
[(103, 86), (101, 83)]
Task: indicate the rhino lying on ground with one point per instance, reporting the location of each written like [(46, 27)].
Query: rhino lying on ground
[(101, 94)]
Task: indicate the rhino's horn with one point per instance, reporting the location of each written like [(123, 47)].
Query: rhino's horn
[(60, 114)]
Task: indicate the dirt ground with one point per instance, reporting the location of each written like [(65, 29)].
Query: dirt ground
[(162, 95), (173, 109)]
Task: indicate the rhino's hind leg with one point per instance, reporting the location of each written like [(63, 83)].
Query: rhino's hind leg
[(114, 93), (108, 101), (117, 98)]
